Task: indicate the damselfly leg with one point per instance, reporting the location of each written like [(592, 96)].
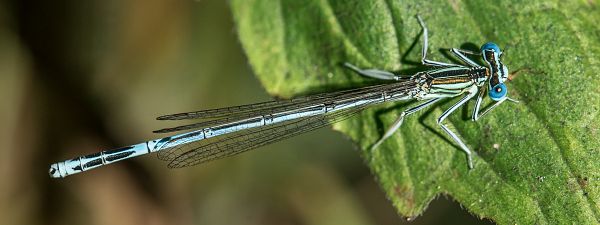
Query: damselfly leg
[(396, 125), (373, 73), (424, 59), (472, 92), (461, 55), (466, 52), (475, 116)]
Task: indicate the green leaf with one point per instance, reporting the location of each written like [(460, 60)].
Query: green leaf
[(537, 162)]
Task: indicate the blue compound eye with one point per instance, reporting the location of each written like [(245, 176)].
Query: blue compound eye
[(490, 46), (498, 92)]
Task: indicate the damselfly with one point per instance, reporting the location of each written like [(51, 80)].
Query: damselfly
[(232, 130)]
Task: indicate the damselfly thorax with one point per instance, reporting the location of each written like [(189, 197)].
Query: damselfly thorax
[(448, 81)]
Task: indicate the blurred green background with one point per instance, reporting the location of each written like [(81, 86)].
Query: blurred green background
[(77, 77)]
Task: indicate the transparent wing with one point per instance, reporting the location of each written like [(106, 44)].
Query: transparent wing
[(202, 124), (257, 108), (351, 102), (235, 143)]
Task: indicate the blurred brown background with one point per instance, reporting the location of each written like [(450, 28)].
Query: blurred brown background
[(77, 77)]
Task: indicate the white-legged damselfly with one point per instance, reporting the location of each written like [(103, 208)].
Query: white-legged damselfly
[(232, 130)]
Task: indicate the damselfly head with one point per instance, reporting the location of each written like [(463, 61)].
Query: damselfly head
[(498, 72)]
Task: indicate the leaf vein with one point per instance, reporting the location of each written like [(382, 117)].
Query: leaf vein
[(562, 148), (337, 29)]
